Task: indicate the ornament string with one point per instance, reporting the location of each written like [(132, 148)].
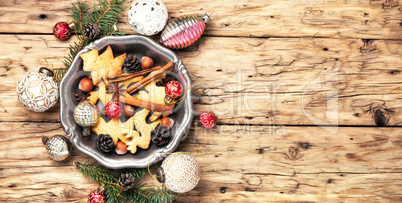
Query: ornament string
[(149, 163), (119, 190)]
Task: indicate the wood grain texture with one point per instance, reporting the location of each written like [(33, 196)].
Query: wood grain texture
[(254, 81), (367, 19), (246, 163)]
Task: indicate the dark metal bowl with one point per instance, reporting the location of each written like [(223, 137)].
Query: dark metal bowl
[(182, 113)]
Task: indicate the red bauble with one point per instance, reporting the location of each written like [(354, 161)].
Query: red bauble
[(207, 120), (96, 196), (114, 109), (173, 89), (61, 31)]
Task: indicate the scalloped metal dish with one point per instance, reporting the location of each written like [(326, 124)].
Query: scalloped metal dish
[(141, 46)]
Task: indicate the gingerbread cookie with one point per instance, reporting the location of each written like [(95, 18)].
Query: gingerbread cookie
[(154, 94), (100, 94), (101, 65), (114, 128), (144, 128)]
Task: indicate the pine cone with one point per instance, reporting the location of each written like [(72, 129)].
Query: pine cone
[(165, 81), (160, 136), (105, 143), (91, 31), (131, 64), (126, 181)]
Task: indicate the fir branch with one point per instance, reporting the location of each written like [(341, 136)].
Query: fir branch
[(96, 172), (106, 14), (74, 51), (161, 195), (113, 193), (79, 13)]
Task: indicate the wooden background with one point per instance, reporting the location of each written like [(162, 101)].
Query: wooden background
[(295, 86)]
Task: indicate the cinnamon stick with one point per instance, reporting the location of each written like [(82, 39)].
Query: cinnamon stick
[(149, 78), (121, 78), (128, 99)]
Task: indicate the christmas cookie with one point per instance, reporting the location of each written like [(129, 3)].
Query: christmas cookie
[(154, 94), (100, 94), (114, 128), (144, 128), (101, 65)]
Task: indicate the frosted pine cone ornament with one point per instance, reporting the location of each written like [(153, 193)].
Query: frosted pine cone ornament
[(183, 31)]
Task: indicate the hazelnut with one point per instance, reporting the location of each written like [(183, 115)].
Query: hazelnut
[(146, 62), (121, 148), (128, 110), (85, 85), (167, 122)]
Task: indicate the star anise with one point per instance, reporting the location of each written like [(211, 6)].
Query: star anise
[(164, 81), (81, 96), (115, 89)]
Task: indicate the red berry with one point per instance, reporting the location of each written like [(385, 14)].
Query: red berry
[(173, 89), (114, 109), (207, 120)]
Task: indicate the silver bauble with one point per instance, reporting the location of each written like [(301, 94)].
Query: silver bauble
[(86, 115), (38, 91), (179, 172), (58, 147)]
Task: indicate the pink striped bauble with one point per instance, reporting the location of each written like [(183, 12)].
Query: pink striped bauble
[(183, 31)]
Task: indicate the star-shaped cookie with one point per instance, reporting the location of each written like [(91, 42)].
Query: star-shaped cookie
[(101, 65), (114, 128), (144, 128)]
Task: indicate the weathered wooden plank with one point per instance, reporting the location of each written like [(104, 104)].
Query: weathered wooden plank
[(251, 162), (253, 81), (378, 19)]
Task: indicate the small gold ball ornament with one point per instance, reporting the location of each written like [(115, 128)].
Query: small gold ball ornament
[(179, 172), (37, 90)]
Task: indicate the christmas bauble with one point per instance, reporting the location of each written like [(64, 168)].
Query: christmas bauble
[(62, 30), (86, 115), (181, 172), (183, 31), (147, 17), (96, 196), (207, 120), (57, 146), (38, 91), (173, 89), (114, 109)]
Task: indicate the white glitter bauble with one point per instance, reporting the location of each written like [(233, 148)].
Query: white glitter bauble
[(182, 172), (147, 17), (38, 91)]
